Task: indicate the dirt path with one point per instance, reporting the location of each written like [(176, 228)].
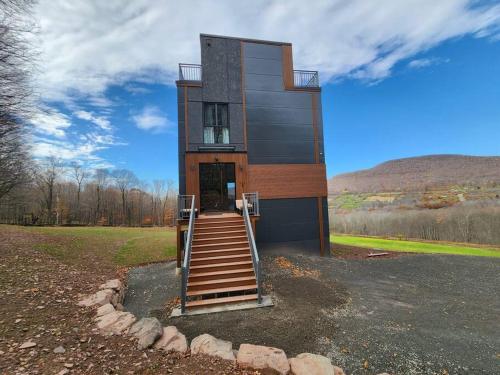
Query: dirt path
[(38, 296)]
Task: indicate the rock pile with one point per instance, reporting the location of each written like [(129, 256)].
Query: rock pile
[(149, 333)]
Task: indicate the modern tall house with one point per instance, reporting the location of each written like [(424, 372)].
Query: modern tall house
[(251, 165)]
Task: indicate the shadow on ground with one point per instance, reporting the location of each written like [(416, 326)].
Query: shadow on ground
[(421, 314)]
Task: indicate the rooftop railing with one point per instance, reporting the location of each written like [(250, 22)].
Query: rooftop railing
[(189, 72), (301, 78), (305, 78)]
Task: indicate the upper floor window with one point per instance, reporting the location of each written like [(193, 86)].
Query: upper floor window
[(215, 123)]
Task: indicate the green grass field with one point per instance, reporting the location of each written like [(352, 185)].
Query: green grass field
[(414, 246), (116, 246)]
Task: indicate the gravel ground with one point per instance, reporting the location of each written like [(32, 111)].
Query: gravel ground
[(419, 314)]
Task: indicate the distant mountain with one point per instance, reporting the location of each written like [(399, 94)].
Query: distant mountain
[(420, 173)]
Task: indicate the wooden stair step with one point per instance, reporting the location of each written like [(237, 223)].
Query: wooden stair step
[(220, 245), (200, 241), (220, 227), (217, 223), (238, 272), (216, 267), (220, 259), (209, 253), (223, 234), (220, 283), (223, 300), (239, 288)]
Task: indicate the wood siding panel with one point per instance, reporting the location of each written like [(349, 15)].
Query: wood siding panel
[(287, 67), (314, 106), (274, 181), (193, 161)]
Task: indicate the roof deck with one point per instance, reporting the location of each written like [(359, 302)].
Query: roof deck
[(301, 78)]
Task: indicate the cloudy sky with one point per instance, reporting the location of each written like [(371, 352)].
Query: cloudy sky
[(400, 78)]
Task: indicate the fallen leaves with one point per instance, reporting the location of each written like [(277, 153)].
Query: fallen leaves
[(296, 271)]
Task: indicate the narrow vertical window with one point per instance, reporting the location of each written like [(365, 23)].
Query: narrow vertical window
[(215, 123)]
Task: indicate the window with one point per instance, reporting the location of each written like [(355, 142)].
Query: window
[(215, 123)]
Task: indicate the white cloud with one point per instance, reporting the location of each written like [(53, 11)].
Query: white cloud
[(69, 151), (89, 45), (100, 121), (425, 62), (151, 118), (51, 122)]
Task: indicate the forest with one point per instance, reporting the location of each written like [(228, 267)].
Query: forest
[(56, 193)]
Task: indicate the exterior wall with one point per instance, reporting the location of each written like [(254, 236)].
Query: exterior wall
[(221, 82), (285, 127), (294, 223), (275, 124), (279, 122)]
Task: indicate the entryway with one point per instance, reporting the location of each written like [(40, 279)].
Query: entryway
[(217, 187)]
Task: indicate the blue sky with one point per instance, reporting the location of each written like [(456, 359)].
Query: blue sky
[(451, 106), (399, 79)]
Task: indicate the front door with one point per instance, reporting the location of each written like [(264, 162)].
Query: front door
[(217, 187)]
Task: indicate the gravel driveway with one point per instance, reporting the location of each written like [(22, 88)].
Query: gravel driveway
[(419, 314)]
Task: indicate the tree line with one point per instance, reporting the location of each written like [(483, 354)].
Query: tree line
[(469, 222), (69, 194)]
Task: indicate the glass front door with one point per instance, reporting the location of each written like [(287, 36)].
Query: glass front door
[(217, 187)]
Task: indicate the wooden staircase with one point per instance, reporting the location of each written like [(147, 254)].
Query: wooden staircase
[(221, 269)]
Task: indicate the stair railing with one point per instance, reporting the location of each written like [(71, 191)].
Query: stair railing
[(187, 255), (251, 240)]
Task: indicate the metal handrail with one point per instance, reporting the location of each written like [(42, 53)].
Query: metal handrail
[(253, 248), (252, 203), (305, 78), (189, 72), (183, 206), (187, 256)]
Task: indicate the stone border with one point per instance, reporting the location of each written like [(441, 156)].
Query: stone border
[(148, 333)]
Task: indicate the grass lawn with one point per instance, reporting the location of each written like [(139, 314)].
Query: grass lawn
[(115, 246), (413, 246)]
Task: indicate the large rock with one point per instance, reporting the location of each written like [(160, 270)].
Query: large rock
[(106, 320), (313, 364), (122, 324), (147, 331), (100, 298), (114, 284), (207, 344), (117, 297), (263, 358), (105, 309), (172, 340)]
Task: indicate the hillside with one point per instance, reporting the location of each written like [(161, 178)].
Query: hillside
[(419, 174)]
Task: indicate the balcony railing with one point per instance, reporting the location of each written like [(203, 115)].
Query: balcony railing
[(189, 72), (305, 78)]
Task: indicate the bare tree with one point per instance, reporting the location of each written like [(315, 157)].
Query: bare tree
[(46, 178), (79, 174), (158, 192), (16, 93), (100, 177), (124, 180)]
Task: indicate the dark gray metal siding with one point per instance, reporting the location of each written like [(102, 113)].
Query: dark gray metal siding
[(221, 83), (293, 222), (279, 122), (326, 225)]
